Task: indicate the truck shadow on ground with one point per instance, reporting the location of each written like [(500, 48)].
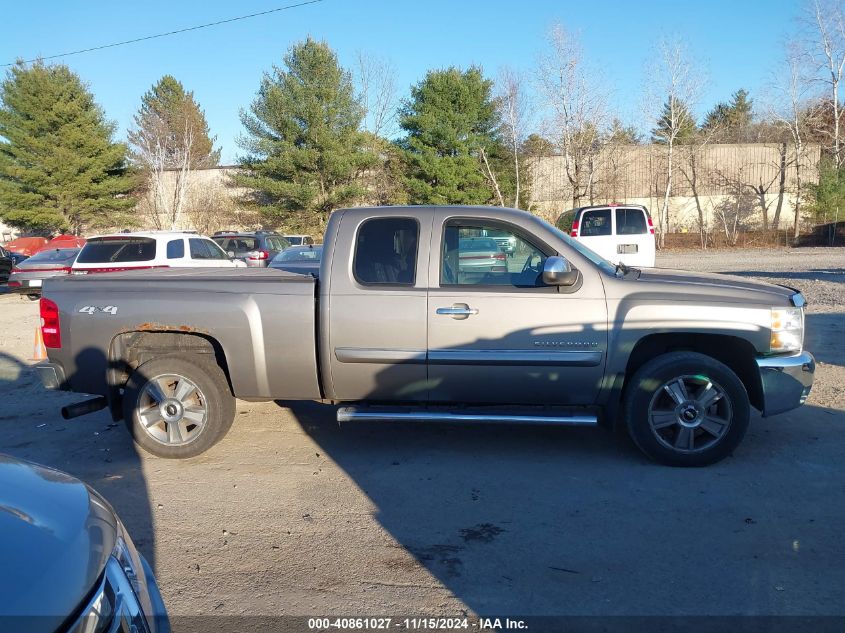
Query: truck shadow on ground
[(549, 520), (541, 520), (92, 448)]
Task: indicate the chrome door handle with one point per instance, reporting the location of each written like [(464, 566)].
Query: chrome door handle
[(458, 310)]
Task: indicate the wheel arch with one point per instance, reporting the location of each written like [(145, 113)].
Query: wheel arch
[(129, 350), (735, 352)]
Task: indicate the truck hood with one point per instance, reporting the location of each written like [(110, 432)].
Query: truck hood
[(713, 285), (56, 535)]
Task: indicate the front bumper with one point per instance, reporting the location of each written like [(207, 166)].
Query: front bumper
[(786, 381)]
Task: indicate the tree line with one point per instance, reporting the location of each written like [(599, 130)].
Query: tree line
[(318, 136)]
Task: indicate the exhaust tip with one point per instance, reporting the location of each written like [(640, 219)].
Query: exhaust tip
[(83, 408)]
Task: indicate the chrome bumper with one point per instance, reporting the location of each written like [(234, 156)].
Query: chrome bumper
[(786, 381)]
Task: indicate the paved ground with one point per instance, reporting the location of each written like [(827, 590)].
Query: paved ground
[(290, 514)]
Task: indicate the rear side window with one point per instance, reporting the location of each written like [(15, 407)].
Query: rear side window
[(564, 222), (386, 251), (176, 249), (239, 244), (205, 249), (108, 250), (596, 223), (630, 222)]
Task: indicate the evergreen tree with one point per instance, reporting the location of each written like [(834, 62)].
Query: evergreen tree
[(680, 124), (59, 167), (536, 146), (171, 119), (452, 125), (621, 134), (306, 150), (827, 197), (731, 120)]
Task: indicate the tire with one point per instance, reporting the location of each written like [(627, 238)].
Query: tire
[(178, 406), (686, 409)]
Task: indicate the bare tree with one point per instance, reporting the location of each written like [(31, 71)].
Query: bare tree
[(735, 210), (789, 110), (213, 207), (168, 161), (673, 88), (579, 109), (377, 93), (827, 19), (514, 108), (697, 174)]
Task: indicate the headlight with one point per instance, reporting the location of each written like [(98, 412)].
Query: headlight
[(115, 605), (126, 554), (787, 330)]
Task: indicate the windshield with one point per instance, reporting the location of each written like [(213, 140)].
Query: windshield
[(300, 255), (106, 250), (594, 257)]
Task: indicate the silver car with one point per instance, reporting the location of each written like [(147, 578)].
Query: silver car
[(28, 276)]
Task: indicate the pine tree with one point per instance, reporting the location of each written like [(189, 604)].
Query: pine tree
[(452, 125), (59, 166), (170, 119), (621, 134), (675, 122), (306, 150), (733, 119)]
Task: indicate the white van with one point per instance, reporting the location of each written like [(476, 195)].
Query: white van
[(149, 249), (621, 233)]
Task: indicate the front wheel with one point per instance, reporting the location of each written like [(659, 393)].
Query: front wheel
[(177, 407), (686, 409)]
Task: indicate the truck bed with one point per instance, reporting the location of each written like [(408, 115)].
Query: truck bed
[(262, 320)]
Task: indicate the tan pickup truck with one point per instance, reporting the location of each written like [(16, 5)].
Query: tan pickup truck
[(419, 314)]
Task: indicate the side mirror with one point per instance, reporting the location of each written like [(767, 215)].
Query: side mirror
[(231, 254), (558, 272)]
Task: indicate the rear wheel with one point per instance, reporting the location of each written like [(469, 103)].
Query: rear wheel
[(178, 407), (686, 409)]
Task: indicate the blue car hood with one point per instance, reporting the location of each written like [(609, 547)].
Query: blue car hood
[(56, 535)]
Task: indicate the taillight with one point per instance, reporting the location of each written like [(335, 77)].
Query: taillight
[(50, 329), (64, 269), (574, 231), (14, 284), (258, 255), (650, 225), (500, 256)]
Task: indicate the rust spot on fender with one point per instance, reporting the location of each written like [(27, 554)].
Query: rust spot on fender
[(162, 327)]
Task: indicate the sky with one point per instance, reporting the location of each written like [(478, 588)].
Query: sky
[(736, 43)]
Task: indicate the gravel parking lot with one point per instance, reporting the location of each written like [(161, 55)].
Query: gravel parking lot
[(292, 515)]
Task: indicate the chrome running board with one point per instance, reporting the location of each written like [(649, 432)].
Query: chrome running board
[(366, 414)]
